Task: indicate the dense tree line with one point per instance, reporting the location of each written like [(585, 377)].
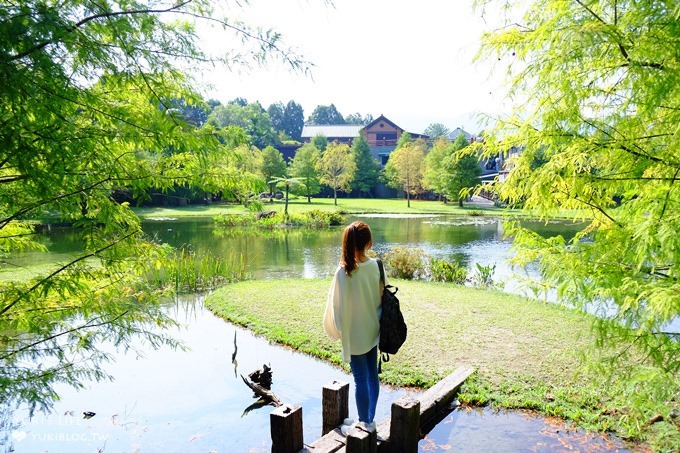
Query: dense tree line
[(599, 133)]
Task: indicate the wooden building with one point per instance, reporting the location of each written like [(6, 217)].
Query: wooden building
[(381, 134)]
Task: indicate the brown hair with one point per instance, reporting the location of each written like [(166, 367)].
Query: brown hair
[(355, 238)]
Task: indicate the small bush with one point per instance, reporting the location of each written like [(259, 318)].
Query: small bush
[(318, 218), (483, 276), (405, 263), (234, 220), (255, 206), (447, 271)]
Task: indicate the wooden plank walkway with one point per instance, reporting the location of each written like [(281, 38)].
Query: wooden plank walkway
[(412, 419)]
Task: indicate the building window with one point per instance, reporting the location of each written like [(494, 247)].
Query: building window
[(386, 136)]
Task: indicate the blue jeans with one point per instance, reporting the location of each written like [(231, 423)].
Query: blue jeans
[(366, 383)]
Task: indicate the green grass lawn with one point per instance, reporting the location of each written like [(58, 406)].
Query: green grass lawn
[(346, 205), (527, 354)]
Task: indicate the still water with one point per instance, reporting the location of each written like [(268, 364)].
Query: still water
[(170, 400)]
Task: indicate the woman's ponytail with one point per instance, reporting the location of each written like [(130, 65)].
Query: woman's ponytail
[(355, 238)]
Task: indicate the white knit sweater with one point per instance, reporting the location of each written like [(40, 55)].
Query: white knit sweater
[(353, 309)]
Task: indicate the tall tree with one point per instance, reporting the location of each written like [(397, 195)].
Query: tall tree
[(85, 90), (252, 118), (367, 166), (277, 115), (325, 114), (404, 167), (320, 142), (337, 168), (461, 169), (436, 130), (434, 174), (356, 118), (603, 80), (294, 120), (273, 166), (305, 167)]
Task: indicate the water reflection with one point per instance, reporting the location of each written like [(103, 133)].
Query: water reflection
[(190, 400), (482, 429)]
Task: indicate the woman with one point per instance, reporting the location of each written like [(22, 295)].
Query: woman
[(353, 316)]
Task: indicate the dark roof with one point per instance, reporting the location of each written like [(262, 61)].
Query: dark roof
[(381, 118)]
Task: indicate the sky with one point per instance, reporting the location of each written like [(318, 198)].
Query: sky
[(410, 61)]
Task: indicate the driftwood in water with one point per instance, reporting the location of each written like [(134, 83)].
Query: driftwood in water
[(263, 392), (262, 377), (260, 383)]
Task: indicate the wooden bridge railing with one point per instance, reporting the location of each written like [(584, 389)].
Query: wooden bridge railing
[(411, 418)]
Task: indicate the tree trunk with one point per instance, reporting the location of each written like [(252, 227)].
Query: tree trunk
[(335, 197), (285, 209)]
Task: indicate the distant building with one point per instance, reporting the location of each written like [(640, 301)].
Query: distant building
[(381, 134), (459, 130)]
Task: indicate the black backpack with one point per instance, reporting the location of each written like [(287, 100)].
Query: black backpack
[(392, 326)]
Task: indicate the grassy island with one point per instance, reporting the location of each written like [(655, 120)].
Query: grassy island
[(528, 354)]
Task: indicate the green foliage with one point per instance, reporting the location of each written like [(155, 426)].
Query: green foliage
[(320, 142), (436, 131), (252, 118), (599, 135), (404, 167), (305, 167), (435, 177), (293, 120), (314, 218), (273, 166), (462, 169), (88, 101), (325, 114), (405, 263), (185, 271), (483, 276), (357, 118), (447, 271), (337, 168), (318, 218), (367, 166)]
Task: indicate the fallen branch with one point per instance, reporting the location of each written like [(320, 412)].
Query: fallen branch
[(263, 392)]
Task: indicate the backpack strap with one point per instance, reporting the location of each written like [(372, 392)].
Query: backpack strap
[(382, 356), (382, 271)]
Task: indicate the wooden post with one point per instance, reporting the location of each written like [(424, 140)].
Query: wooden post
[(286, 429), (405, 425), (335, 403), (361, 441)]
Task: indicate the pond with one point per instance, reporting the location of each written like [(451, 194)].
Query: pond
[(195, 400)]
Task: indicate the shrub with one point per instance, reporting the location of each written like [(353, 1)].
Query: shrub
[(483, 276), (318, 218), (447, 271), (405, 263)]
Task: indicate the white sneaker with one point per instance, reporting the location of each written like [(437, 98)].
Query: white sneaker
[(345, 429), (368, 427), (349, 421)]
